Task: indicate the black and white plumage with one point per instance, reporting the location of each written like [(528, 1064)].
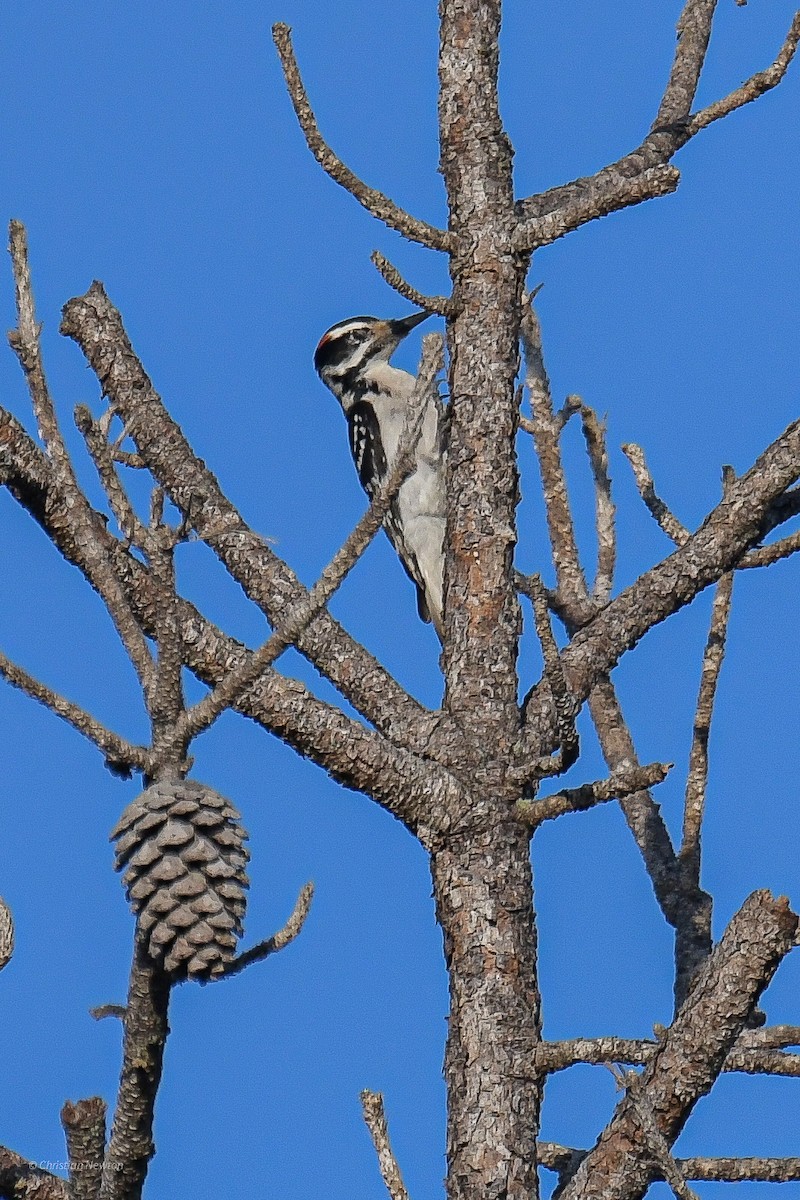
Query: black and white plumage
[(352, 359)]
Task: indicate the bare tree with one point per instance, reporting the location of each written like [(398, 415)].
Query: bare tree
[(465, 780)]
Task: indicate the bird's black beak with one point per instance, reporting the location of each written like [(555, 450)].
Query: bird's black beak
[(403, 325)]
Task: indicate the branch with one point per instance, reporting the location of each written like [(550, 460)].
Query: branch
[(644, 174), (102, 455), (24, 1180), (564, 1160), (636, 779), (545, 428), (767, 556), (375, 1118), (25, 343), (641, 812), (697, 778), (656, 1144), (564, 209), (443, 306), (103, 1011), (373, 201), (84, 1125), (756, 1052), (755, 86), (730, 529), (670, 524), (405, 785), (693, 1051), (566, 737), (279, 940), (96, 326), (193, 722), (146, 1029), (121, 756), (594, 432), (694, 34)]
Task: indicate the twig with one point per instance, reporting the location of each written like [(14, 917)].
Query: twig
[(755, 86), (25, 343), (120, 754), (697, 777), (101, 1011), (103, 457), (594, 433), (206, 711), (278, 940), (572, 405), (443, 306), (570, 580), (128, 458), (374, 201), (566, 710), (375, 1118), (670, 524), (636, 779), (641, 812), (766, 556), (84, 1125), (165, 696)]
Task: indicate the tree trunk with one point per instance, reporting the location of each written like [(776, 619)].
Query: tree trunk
[(484, 900)]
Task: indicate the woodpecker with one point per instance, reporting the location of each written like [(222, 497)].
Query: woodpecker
[(352, 359)]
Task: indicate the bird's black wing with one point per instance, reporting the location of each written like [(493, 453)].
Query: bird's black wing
[(370, 459), (366, 446)]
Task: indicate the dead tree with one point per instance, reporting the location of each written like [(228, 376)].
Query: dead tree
[(465, 780)]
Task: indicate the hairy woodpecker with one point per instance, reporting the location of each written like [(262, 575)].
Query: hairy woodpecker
[(352, 359)]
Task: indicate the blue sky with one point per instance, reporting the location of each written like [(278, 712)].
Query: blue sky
[(162, 157)]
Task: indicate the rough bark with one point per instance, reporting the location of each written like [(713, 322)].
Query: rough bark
[(484, 903), (145, 1024), (85, 1132), (691, 1055), (480, 605), (23, 1180), (482, 874)]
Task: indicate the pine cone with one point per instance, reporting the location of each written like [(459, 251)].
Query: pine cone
[(182, 848), (6, 934)]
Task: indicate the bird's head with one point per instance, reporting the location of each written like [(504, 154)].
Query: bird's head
[(350, 347)]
